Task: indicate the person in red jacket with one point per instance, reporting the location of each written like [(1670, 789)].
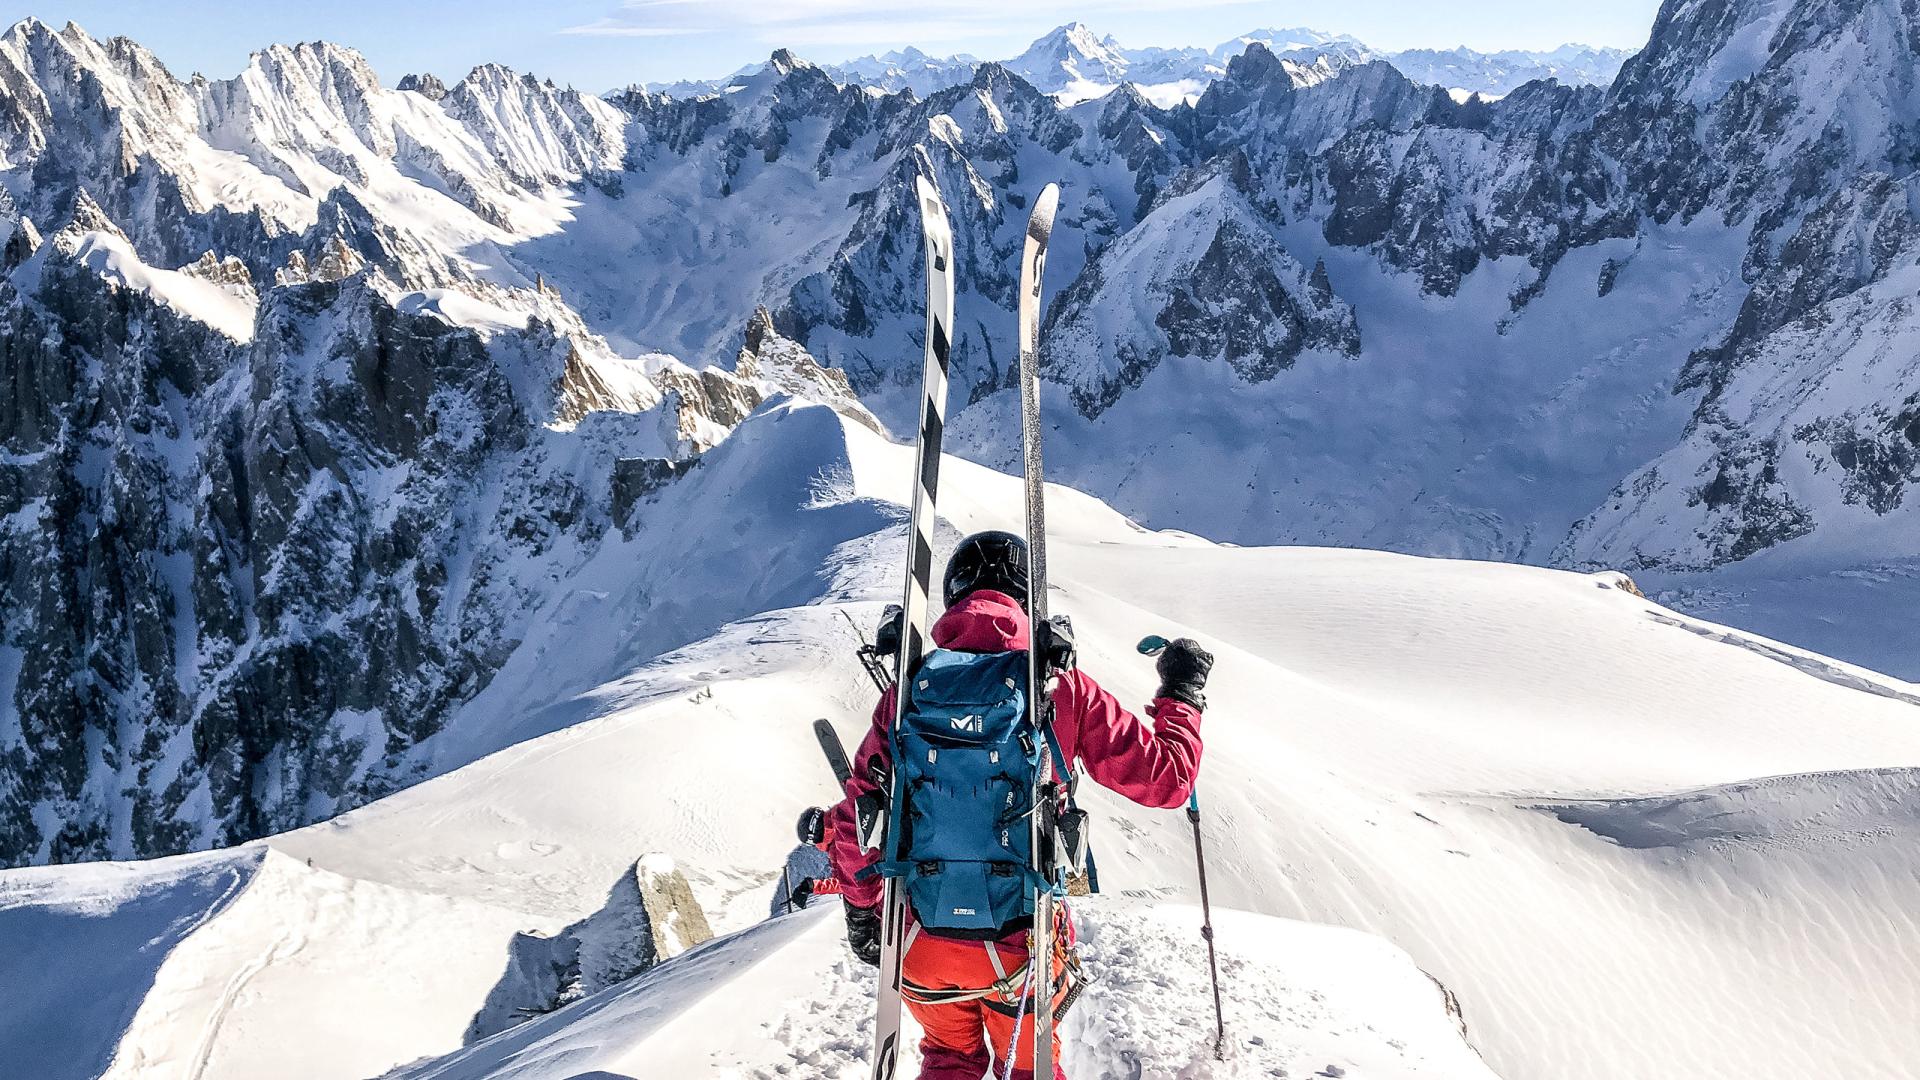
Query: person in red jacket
[(1151, 763)]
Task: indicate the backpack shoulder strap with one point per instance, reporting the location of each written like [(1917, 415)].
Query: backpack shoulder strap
[(1060, 760)]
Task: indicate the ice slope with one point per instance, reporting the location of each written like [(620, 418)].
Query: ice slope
[(1629, 842), (785, 999)]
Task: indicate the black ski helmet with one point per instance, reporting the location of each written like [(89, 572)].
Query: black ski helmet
[(813, 825), (988, 560)]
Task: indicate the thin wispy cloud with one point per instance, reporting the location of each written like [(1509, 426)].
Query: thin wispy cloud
[(849, 22), (613, 28)]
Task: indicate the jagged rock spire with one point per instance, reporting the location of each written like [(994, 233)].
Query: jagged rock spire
[(21, 245)]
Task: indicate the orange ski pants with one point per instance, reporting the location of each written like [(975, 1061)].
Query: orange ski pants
[(965, 1038)]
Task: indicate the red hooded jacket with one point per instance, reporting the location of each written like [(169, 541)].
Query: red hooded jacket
[(1153, 766)]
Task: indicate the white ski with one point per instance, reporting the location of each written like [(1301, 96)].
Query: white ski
[(1033, 263), (913, 637)]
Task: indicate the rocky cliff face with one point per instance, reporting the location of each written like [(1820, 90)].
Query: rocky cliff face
[(260, 538), (1804, 126), (314, 389)]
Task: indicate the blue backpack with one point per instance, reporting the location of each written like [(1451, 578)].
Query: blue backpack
[(966, 759)]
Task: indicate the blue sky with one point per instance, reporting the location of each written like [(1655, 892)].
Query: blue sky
[(600, 44)]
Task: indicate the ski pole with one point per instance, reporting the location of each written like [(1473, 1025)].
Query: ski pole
[(1206, 930), (1154, 645)]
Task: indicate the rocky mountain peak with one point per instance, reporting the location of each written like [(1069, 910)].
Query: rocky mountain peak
[(25, 27), (1125, 100), (21, 244), (89, 217), (1075, 50), (784, 366), (229, 272), (341, 73), (497, 79), (426, 84), (32, 33), (1257, 66), (784, 62)]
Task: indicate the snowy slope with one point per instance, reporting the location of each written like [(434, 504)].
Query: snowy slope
[(1309, 1000), (1606, 828)]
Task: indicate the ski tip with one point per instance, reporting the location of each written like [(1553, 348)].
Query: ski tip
[(1040, 222), (933, 212), (928, 195)]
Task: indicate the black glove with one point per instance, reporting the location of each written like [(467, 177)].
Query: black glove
[(1056, 643), (802, 893), (863, 934), (1183, 669), (886, 640)]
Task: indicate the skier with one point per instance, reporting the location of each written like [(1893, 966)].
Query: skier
[(809, 871), (960, 985)]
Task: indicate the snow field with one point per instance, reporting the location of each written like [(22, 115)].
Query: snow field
[(1627, 842)]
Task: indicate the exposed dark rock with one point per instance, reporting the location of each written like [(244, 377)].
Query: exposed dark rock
[(636, 478), (426, 84)]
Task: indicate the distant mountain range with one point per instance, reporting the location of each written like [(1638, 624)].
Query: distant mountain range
[(1074, 64)]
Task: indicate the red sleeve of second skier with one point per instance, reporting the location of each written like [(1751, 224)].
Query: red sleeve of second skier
[(849, 858)]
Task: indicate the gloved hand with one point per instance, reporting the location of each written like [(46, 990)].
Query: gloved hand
[(1183, 669), (886, 640), (1056, 643), (863, 934)]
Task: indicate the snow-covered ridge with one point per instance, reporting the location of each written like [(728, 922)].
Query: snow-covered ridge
[(299, 123)]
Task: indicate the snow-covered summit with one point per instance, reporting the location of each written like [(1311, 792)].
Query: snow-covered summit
[(1074, 59), (1290, 40)]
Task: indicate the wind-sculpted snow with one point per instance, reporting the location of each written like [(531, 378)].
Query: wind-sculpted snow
[(127, 923)]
